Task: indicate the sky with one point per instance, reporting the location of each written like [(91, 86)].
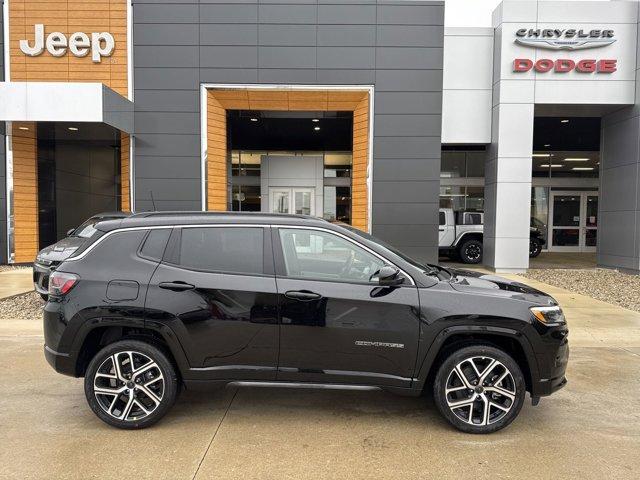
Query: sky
[(469, 13)]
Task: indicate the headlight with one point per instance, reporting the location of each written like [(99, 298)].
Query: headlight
[(549, 316)]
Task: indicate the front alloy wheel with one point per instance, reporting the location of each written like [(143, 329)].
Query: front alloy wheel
[(130, 384), (479, 389)]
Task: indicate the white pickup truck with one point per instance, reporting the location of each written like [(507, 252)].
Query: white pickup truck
[(460, 235)]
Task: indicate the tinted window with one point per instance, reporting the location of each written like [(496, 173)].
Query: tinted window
[(443, 220), (325, 256), (223, 249), (154, 244)]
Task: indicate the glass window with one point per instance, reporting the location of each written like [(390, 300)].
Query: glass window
[(337, 204), (452, 165), (154, 244), (443, 219), (540, 210), (223, 249), (324, 256)]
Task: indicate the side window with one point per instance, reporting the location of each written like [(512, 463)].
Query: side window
[(223, 249), (324, 256), (443, 218), (155, 243)]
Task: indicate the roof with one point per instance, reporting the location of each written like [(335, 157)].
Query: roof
[(169, 218)]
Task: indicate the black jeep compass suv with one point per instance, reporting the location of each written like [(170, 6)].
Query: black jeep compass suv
[(155, 302)]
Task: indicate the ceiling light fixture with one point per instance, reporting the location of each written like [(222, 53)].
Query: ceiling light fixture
[(73, 129), (543, 155), (564, 120), (586, 169), (315, 120), (253, 119), (23, 128), (576, 159), (316, 128), (547, 144), (553, 165)]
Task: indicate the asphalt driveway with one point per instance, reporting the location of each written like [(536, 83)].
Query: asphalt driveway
[(591, 429)]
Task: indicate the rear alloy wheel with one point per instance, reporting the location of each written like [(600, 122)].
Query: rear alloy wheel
[(479, 389), (471, 251), (130, 384)]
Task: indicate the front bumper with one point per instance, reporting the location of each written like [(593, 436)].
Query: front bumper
[(554, 364)]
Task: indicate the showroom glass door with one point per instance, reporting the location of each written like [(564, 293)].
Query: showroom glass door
[(292, 200), (574, 221)]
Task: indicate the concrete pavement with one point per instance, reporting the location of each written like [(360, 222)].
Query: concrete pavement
[(15, 282), (589, 430)]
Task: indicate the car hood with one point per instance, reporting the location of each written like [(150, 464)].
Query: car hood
[(59, 251), (487, 284)]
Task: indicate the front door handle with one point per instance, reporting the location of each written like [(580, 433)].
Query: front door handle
[(302, 295), (176, 286)]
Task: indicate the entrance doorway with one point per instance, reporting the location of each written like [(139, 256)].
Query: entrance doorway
[(573, 225), (299, 201)]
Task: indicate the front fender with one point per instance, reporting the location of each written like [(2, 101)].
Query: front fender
[(425, 363)]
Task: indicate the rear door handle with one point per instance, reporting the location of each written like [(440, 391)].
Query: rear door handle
[(302, 295), (176, 286)]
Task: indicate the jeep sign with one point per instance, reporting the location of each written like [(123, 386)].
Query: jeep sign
[(101, 44)]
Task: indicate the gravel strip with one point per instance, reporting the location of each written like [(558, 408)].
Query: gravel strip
[(603, 284), (26, 306), (9, 268)]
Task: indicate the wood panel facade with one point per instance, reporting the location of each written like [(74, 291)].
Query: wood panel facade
[(67, 17), (221, 100), (25, 191)]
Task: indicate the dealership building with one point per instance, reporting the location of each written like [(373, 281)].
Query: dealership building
[(368, 112)]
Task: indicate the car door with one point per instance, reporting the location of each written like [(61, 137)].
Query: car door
[(337, 325), (216, 289)]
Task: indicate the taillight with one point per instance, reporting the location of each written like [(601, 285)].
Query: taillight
[(61, 282)]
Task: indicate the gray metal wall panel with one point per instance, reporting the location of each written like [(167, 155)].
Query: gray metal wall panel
[(395, 46), (286, 57), (287, 35), (216, 34), (240, 13), (155, 34), (619, 204), (340, 35), (291, 14)]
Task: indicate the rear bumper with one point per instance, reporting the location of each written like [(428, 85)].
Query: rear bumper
[(61, 362), (41, 278)]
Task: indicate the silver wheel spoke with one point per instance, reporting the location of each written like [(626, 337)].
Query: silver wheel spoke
[(143, 369), (502, 391), (150, 394), (487, 371), (461, 403), (108, 391), (485, 411), (127, 408), (456, 389), (462, 376)]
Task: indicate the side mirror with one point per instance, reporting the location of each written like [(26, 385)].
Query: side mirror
[(70, 231), (388, 276)]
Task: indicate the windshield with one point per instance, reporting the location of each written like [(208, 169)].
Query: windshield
[(427, 268)]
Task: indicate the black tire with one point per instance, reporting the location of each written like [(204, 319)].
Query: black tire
[(476, 423), (535, 247), (471, 251), (164, 387)]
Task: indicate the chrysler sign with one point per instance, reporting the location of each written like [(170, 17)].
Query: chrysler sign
[(564, 39)]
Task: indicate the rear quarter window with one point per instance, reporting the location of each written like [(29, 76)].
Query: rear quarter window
[(223, 249), (155, 243)]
